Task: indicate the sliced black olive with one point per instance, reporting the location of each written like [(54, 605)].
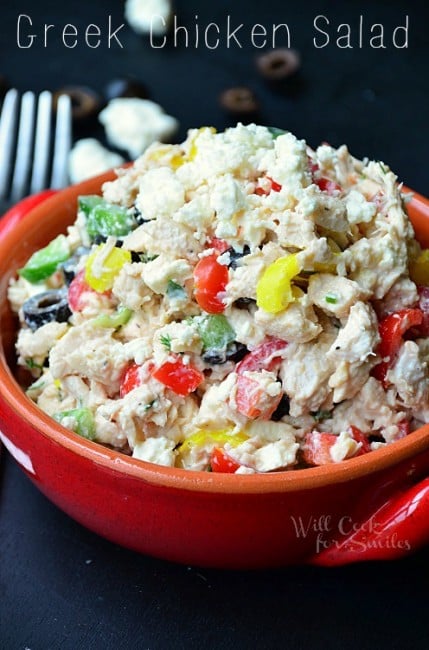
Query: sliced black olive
[(135, 257), (46, 307), (214, 357), (85, 102), (234, 256), (282, 408), (239, 101), (139, 217), (69, 267), (243, 303), (127, 87), (236, 351), (279, 64)]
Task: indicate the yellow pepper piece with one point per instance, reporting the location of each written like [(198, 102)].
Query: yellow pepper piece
[(217, 438), (419, 269), (100, 271), (193, 150), (274, 290)]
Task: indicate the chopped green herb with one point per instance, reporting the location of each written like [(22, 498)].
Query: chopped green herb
[(331, 298), (383, 168), (166, 341), (175, 290), (149, 406), (321, 415), (30, 363), (275, 132), (147, 257)]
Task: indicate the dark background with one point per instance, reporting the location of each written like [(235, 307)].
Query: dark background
[(60, 585)]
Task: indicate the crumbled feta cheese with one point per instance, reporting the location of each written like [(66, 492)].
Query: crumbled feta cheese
[(132, 124), (89, 158)]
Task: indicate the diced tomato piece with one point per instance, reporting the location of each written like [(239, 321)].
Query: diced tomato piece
[(79, 292), (359, 436), (218, 244), (404, 428), (210, 280), (263, 357), (273, 187), (252, 401), (317, 448), (423, 304), (131, 378), (391, 329), (178, 376), (221, 462), (328, 186)]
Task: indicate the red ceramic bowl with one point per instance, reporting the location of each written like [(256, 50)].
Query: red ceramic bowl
[(373, 506)]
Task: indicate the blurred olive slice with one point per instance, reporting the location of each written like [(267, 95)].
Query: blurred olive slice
[(86, 103), (125, 87)]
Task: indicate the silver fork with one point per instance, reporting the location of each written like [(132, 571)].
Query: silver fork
[(34, 145)]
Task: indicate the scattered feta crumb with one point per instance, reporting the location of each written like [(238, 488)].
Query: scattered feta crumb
[(132, 124), (89, 158), (149, 16)]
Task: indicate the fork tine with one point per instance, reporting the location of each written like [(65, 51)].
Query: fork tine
[(62, 143), (24, 146), (41, 145), (7, 132)]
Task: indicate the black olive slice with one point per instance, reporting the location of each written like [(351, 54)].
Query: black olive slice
[(282, 408), (126, 87), (46, 307), (85, 102), (235, 255), (239, 101), (279, 64)]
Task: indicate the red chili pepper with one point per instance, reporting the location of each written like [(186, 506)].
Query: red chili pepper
[(391, 329), (221, 462), (210, 280), (131, 378), (263, 357), (180, 377), (80, 293)]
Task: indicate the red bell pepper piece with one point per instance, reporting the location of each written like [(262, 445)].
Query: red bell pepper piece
[(391, 329), (263, 357), (359, 436), (79, 292), (328, 186), (252, 401), (221, 462), (131, 378), (317, 448), (181, 378), (210, 279), (275, 187)]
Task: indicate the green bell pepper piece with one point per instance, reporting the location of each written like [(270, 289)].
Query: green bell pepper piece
[(121, 317), (104, 218), (215, 332), (83, 421), (45, 261)]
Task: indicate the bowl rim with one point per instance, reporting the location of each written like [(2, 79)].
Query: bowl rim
[(171, 477)]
